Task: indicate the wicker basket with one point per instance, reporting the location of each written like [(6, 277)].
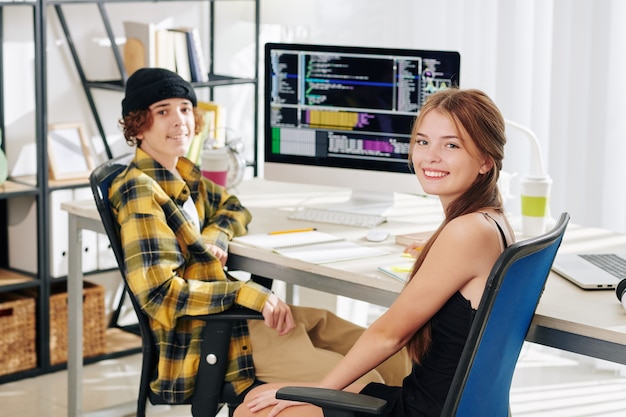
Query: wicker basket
[(17, 333), (94, 325)]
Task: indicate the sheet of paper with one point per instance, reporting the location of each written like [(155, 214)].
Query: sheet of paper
[(286, 240), (331, 252)]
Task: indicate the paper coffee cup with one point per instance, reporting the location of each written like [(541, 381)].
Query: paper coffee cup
[(215, 165), (535, 196)]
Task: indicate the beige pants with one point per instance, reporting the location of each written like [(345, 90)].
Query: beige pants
[(313, 348)]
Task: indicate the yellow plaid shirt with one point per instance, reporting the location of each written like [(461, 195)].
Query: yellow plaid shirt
[(171, 271)]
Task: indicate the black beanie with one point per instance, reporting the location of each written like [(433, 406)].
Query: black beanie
[(146, 86)]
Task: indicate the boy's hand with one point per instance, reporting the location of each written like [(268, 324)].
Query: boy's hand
[(277, 315), (219, 253)]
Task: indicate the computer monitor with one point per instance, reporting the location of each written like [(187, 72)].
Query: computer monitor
[(342, 116)]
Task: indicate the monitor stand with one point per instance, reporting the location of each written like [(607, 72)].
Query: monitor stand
[(365, 202)]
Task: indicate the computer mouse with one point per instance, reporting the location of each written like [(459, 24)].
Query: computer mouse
[(376, 235)]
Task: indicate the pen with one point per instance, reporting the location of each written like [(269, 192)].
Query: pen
[(281, 232)]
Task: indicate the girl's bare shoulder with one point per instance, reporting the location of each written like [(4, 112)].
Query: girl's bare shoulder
[(469, 229)]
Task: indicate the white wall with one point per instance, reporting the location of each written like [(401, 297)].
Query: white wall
[(550, 65), (553, 65)]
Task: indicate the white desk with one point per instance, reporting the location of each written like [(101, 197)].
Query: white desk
[(592, 323)]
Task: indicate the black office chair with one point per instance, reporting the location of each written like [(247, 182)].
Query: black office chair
[(482, 381), (217, 331)]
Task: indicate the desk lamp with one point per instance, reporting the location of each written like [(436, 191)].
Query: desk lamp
[(535, 188)]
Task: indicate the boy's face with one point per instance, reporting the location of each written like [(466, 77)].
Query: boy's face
[(171, 132)]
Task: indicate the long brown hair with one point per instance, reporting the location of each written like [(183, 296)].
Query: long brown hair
[(473, 113)]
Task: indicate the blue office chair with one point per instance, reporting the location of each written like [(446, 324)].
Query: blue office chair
[(217, 330), (482, 381)]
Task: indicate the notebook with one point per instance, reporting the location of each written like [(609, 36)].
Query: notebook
[(310, 246), (399, 271), (591, 271)]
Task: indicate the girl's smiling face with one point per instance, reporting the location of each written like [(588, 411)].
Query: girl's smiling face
[(446, 161)]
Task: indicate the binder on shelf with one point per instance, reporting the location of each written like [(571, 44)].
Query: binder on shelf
[(139, 50)]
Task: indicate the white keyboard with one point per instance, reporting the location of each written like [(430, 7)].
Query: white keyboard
[(338, 217)]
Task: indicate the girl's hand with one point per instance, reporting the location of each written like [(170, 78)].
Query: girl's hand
[(414, 248), (267, 398)]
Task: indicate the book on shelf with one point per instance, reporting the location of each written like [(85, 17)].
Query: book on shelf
[(164, 45), (193, 52), (310, 246), (177, 49), (215, 117), (181, 53), (139, 49), (194, 153), (197, 62)]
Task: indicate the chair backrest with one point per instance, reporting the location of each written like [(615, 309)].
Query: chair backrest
[(100, 181), (483, 378)]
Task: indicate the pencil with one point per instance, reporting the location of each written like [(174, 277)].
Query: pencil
[(281, 232)]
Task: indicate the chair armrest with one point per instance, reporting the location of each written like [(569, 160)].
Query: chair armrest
[(234, 313), (214, 353), (329, 399)]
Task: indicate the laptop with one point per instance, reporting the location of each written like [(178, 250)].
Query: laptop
[(591, 271)]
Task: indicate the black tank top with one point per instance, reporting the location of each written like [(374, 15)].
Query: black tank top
[(424, 391), (426, 388)]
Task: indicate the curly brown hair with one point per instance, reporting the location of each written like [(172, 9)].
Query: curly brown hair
[(139, 121)]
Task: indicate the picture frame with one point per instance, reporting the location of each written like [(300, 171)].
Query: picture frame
[(69, 155)]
